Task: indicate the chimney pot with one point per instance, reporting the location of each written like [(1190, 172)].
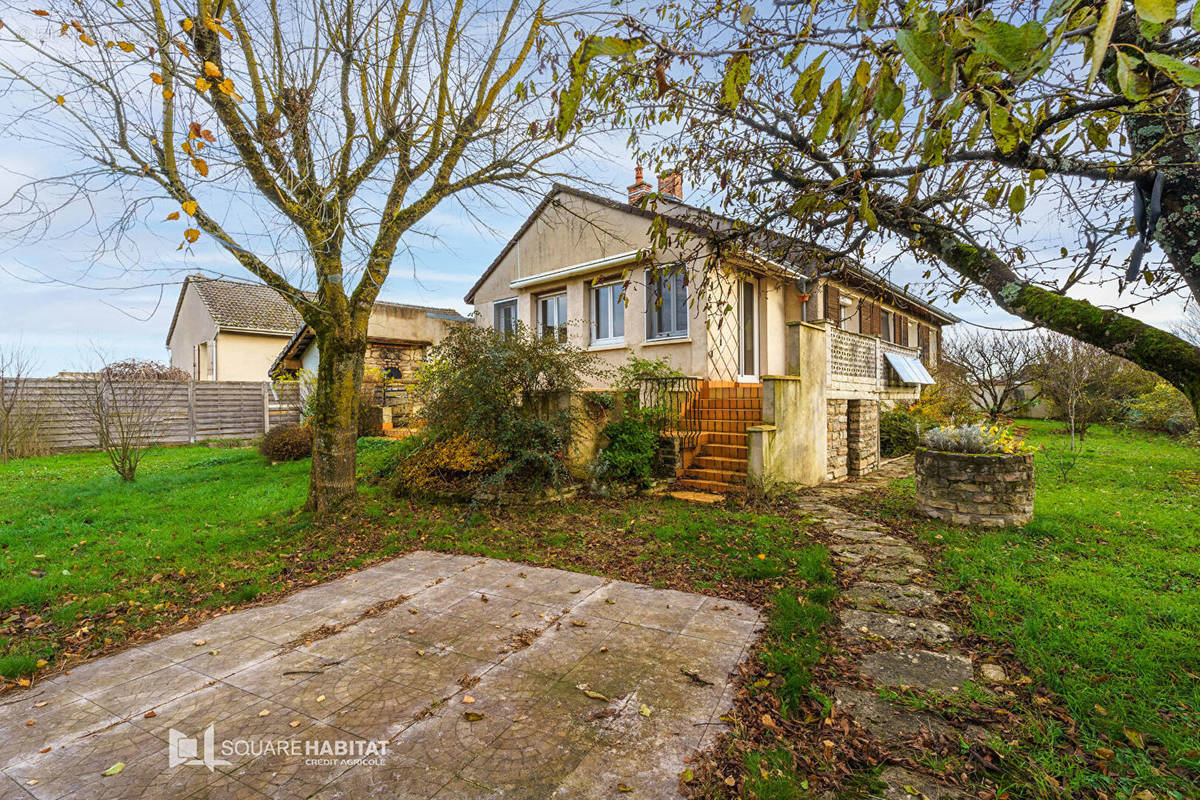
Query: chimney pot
[(640, 188)]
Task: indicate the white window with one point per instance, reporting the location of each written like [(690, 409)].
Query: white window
[(552, 316), (847, 312), (912, 333), (666, 304), (504, 315), (608, 313)]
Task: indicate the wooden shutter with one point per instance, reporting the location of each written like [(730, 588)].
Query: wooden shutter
[(900, 324), (833, 304), (876, 319), (933, 345), (923, 342), (812, 308)]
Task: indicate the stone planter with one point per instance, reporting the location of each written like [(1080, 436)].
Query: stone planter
[(967, 489)]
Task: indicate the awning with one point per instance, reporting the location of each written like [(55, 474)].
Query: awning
[(909, 369)]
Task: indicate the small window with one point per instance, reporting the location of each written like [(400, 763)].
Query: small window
[(885, 325), (552, 316), (666, 304), (504, 315), (608, 313), (848, 312)]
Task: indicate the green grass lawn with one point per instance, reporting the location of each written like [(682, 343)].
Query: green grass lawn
[(1099, 596)]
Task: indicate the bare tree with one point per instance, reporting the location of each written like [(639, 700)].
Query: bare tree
[(306, 139), (1083, 381), (1189, 328), (996, 367), (123, 404), (19, 417)]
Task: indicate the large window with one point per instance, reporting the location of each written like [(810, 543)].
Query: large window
[(608, 313), (552, 316), (504, 315), (666, 304)]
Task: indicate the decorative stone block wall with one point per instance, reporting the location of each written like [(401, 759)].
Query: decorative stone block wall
[(836, 441), (862, 436), (988, 490)]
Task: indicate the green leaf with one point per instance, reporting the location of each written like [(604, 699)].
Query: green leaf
[(737, 75), (865, 11), (830, 104), (1157, 12), (115, 769), (1181, 72), (1100, 39), (1016, 199), (1133, 83), (890, 96), (1196, 18), (801, 92), (592, 46), (1018, 50), (864, 210), (1005, 130), (930, 58)]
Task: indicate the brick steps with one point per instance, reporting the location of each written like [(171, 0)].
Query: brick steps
[(724, 411)]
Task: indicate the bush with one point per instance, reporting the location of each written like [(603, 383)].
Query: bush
[(978, 439), (899, 432), (444, 463), (632, 447), (1164, 408), (287, 443)]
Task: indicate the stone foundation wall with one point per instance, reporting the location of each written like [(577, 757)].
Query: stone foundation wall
[(987, 490), (862, 436), (837, 443)]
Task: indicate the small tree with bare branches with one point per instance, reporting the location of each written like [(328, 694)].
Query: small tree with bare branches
[(20, 420), (995, 367), (124, 403)]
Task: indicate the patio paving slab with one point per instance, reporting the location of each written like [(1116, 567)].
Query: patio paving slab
[(428, 676)]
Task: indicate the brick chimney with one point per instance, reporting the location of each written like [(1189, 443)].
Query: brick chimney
[(640, 188), (670, 185)]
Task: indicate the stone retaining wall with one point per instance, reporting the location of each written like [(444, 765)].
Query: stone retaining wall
[(862, 436), (967, 489), (836, 442)]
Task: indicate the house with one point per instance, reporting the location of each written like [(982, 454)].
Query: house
[(226, 330), (789, 352), (398, 336)]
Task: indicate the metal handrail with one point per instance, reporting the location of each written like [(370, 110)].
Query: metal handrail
[(675, 402)]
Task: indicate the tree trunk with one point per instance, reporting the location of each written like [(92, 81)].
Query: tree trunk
[(334, 421)]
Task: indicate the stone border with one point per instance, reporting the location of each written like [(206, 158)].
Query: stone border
[(991, 490)]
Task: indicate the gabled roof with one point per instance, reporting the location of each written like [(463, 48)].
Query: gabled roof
[(252, 307), (801, 256)]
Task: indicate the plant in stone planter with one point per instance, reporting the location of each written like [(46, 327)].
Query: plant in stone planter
[(975, 475)]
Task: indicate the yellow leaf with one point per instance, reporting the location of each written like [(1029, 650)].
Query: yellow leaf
[(41, 13), (186, 147), (89, 41), (202, 85), (472, 716), (158, 79), (189, 207), (128, 47), (41, 662), (201, 166), (173, 215), (168, 94), (211, 69), (185, 23), (1134, 738), (60, 99), (191, 234), (226, 86), (115, 769), (264, 712)]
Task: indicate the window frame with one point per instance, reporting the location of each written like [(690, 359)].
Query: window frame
[(885, 325), (677, 276), (497, 305), (560, 325), (617, 295)]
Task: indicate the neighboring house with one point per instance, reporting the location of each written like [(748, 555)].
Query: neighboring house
[(790, 361), (226, 330), (398, 337)]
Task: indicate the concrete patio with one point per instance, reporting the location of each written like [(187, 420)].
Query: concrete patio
[(429, 676)]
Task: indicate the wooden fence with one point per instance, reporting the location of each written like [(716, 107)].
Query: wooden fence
[(185, 412)]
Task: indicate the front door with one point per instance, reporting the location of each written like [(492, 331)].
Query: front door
[(748, 331)]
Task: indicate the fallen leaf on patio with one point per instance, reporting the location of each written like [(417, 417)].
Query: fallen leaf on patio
[(695, 676), (213, 652), (321, 699), (516, 613), (45, 750), (30, 724), (472, 716), (412, 611), (576, 591), (483, 598), (621, 787), (33, 781), (587, 690), (420, 652), (609, 602), (468, 699), (199, 642), (578, 624), (149, 714), (264, 712), (115, 769), (40, 703), (687, 775), (294, 723)]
